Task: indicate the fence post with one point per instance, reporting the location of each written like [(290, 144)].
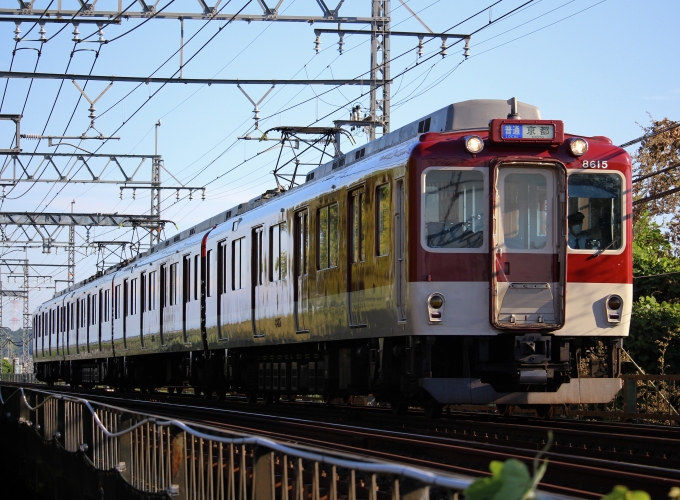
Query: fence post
[(125, 457), (178, 464), (630, 396), (24, 412), (263, 472)]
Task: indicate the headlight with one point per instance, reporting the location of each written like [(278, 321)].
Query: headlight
[(578, 147), (474, 144), (614, 302), (436, 301)]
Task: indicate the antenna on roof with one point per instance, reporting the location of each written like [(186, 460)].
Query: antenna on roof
[(514, 113)]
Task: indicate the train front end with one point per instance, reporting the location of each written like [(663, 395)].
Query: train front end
[(521, 276)]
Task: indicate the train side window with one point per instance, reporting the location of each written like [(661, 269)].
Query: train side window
[(301, 242), (594, 218), (382, 223), (327, 237), (107, 306), (237, 264), (133, 297), (73, 316), (277, 252), (454, 205), (173, 284)]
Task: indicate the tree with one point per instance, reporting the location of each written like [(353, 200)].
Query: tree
[(657, 166), (6, 366)]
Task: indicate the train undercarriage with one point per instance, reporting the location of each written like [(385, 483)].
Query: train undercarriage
[(402, 371)]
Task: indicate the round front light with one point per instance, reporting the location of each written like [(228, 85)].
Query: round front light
[(578, 146), (474, 144), (436, 301), (614, 302)]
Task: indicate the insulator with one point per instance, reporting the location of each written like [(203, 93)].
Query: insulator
[(76, 38), (31, 136), (466, 53), (443, 47), (92, 110), (317, 43), (191, 194), (203, 194), (121, 193), (420, 47), (17, 33), (341, 43), (134, 194), (101, 33), (177, 195), (42, 32)]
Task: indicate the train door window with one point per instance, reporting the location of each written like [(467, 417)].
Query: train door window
[(152, 291), (301, 242), (327, 237), (126, 298), (208, 259), (133, 297), (357, 218), (525, 210), (196, 272), (237, 264), (107, 306), (453, 208), (277, 252), (382, 223), (93, 309), (257, 256), (142, 292), (116, 302), (73, 316), (221, 267), (173, 284), (164, 287), (186, 279), (595, 211)]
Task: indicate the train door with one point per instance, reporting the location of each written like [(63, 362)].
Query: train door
[(142, 306), (126, 296), (186, 292), (257, 269), (301, 285), (164, 297), (356, 269), (527, 268), (400, 249)]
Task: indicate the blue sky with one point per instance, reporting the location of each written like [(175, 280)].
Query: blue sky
[(600, 66)]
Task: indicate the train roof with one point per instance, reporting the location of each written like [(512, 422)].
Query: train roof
[(466, 115)]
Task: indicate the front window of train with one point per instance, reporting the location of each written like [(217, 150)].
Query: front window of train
[(454, 209), (594, 217)]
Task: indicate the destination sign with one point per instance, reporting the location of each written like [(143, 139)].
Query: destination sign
[(527, 131)]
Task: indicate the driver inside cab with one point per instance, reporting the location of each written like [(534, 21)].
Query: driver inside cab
[(577, 237)]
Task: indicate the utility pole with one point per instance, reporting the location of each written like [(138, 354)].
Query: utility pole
[(155, 236), (71, 275), (26, 336), (380, 65)]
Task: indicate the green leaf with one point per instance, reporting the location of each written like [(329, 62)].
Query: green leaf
[(623, 493)]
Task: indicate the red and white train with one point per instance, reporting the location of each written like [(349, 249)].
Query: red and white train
[(477, 255)]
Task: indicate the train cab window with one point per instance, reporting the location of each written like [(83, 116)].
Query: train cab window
[(594, 211), (454, 207), (208, 259), (327, 237), (278, 259), (382, 223), (237, 264)]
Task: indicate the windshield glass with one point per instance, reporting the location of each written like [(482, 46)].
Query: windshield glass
[(594, 218), (454, 209)]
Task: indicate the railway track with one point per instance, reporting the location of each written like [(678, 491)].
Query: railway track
[(587, 459)]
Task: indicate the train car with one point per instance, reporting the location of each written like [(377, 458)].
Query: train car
[(477, 255)]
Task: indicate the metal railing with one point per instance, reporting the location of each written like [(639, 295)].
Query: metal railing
[(197, 462)]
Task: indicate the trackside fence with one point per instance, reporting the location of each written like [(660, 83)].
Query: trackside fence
[(162, 458)]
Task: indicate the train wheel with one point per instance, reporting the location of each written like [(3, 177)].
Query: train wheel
[(433, 409), (505, 410), (544, 411)]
